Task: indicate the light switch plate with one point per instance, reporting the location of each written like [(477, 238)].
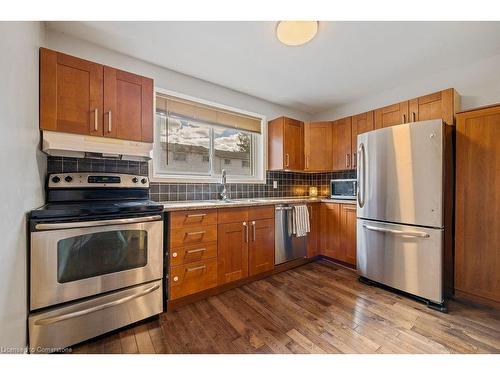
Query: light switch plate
[(275, 184)]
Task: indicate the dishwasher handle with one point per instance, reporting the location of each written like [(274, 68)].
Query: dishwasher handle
[(283, 208)]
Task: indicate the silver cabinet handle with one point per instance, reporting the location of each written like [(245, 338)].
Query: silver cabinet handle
[(195, 251), (246, 231), (196, 215), (76, 314), (196, 268), (109, 121), (347, 161), (287, 157), (403, 118), (96, 118), (195, 233), (354, 160), (253, 231), (397, 232), (361, 175), (414, 116), (97, 223)]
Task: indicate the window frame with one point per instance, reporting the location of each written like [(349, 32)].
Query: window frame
[(259, 154)]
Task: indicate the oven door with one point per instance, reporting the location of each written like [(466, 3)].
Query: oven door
[(73, 260)]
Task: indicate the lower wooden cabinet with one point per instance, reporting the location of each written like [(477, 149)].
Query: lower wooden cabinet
[(232, 252), (348, 232), (261, 246), (338, 231), (313, 238), (192, 278), (477, 219)]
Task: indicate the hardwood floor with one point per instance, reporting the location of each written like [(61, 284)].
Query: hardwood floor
[(315, 308)]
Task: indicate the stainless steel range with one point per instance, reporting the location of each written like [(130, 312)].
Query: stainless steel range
[(96, 258)]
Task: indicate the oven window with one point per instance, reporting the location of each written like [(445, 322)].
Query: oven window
[(101, 253)]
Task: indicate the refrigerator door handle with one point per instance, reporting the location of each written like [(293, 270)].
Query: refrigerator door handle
[(361, 175), (397, 232)]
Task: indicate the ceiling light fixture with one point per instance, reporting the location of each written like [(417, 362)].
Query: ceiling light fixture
[(296, 33)]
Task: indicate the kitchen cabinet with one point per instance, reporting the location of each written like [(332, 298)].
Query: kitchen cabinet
[(71, 94), (439, 105), (261, 246), (82, 97), (128, 106), (330, 231), (341, 140), (361, 123), (286, 144), (246, 242), (318, 146), (477, 204), (348, 232), (313, 238), (391, 115)]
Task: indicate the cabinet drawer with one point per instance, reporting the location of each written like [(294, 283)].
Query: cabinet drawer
[(192, 235), (192, 278), (232, 215), (260, 212), (182, 219), (193, 253)]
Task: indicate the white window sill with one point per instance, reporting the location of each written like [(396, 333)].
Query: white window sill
[(204, 180)]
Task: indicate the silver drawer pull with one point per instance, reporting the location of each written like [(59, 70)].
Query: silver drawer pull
[(195, 233), (397, 232), (196, 268), (76, 314), (195, 251), (96, 223), (196, 215)]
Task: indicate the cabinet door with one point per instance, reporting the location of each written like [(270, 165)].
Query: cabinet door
[(293, 144), (330, 230), (439, 105), (395, 114), (361, 123), (128, 106), (232, 252), (261, 246), (341, 140), (318, 146), (348, 232), (71, 99), (477, 222), (313, 245)]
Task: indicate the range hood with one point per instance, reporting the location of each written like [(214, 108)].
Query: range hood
[(80, 146)]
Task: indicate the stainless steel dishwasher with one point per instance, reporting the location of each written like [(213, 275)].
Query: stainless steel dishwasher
[(287, 246)]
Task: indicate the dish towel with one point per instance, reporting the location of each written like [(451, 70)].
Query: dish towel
[(300, 221)]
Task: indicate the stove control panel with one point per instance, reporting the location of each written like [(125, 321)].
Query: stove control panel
[(89, 180)]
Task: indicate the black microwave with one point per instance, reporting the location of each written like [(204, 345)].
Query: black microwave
[(343, 188)]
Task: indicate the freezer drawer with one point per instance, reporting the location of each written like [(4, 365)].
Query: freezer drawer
[(404, 257), (72, 323)]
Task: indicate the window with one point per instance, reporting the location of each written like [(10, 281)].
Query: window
[(196, 142)]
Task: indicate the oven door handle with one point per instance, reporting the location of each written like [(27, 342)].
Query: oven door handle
[(90, 310), (96, 223)]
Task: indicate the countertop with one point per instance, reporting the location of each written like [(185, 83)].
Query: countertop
[(199, 205)]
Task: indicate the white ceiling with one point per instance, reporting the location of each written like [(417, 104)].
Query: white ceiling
[(345, 62)]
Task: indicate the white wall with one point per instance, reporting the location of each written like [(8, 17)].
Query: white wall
[(22, 168), (168, 79), (477, 83)]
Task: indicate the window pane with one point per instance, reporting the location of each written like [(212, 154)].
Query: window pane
[(96, 254), (185, 146), (233, 152)]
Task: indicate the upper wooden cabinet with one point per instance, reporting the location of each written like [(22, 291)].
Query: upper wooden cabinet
[(361, 123), (391, 115), (286, 144), (477, 219), (83, 97), (439, 105), (128, 103), (318, 146), (341, 140)]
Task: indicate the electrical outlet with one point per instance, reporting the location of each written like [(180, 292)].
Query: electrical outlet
[(275, 184)]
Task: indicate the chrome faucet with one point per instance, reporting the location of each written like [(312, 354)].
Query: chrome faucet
[(223, 194)]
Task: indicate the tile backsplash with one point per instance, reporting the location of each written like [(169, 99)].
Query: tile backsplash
[(289, 183)]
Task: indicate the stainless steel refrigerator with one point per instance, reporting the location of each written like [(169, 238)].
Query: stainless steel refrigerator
[(400, 208)]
